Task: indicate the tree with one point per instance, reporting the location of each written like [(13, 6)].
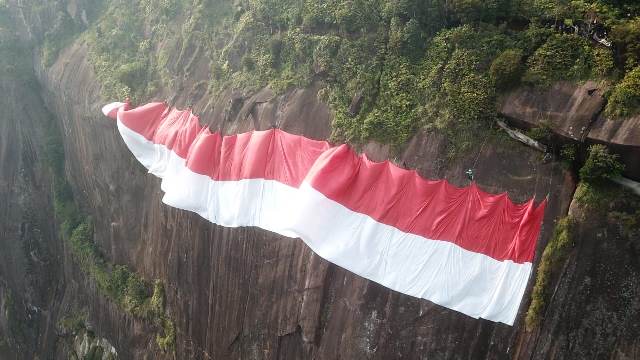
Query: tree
[(600, 165), (506, 69)]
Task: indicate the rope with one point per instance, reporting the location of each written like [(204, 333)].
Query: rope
[(469, 172), (535, 187), (480, 152), (553, 166)]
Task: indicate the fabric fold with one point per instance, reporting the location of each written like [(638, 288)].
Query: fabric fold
[(460, 248)]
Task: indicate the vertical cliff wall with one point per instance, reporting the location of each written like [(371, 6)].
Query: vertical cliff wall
[(30, 264), (249, 294)]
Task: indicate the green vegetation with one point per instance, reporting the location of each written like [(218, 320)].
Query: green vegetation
[(60, 28), (626, 36), (415, 64), (122, 73), (58, 36), (118, 283), (563, 57), (94, 353), (625, 97), (594, 194), (73, 323), (506, 69), (458, 90), (609, 11), (132, 293), (167, 341), (122, 47), (569, 154), (157, 298), (595, 191), (553, 257), (543, 132), (600, 165), (75, 332), (602, 62)]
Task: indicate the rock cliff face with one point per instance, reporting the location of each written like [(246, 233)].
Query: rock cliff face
[(567, 108), (39, 283), (573, 112), (246, 293), (250, 294), (30, 265)]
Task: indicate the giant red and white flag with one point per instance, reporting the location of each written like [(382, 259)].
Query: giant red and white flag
[(458, 247)]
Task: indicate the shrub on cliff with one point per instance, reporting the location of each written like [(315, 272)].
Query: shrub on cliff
[(73, 322), (131, 74), (459, 94), (600, 165), (116, 283), (602, 62), (58, 36), (461, 72), (532, 38), (626, 36), (554, 255), (136, 293), (395, 116), (625, 97), (561, 57), (506, 69), (594, 191), (157, 302), (167, 341), (82, 245), (543, 132), (121, 52)]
